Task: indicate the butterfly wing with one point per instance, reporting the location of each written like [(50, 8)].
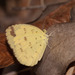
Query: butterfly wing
[(28, 43)]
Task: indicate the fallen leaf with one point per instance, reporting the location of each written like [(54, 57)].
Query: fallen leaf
[(6, 58), (60, 15)]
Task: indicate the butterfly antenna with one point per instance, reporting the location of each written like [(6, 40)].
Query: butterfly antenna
[(50, 34)]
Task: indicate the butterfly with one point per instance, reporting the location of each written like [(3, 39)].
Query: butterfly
[(28, 43)]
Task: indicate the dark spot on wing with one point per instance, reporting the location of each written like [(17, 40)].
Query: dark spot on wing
[(29, 43), (30, 47), (21, 49), (25, 38), (19, 44), (36, 38), (12, 32), (25, 30), (40, 45)]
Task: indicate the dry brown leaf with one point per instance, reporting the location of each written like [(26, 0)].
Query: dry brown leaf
[(6, 58), (60, 15)]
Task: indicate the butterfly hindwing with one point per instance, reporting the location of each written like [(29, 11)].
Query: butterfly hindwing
[(28, 43)]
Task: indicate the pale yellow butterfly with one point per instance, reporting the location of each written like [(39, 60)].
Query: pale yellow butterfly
[(28, 43)]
